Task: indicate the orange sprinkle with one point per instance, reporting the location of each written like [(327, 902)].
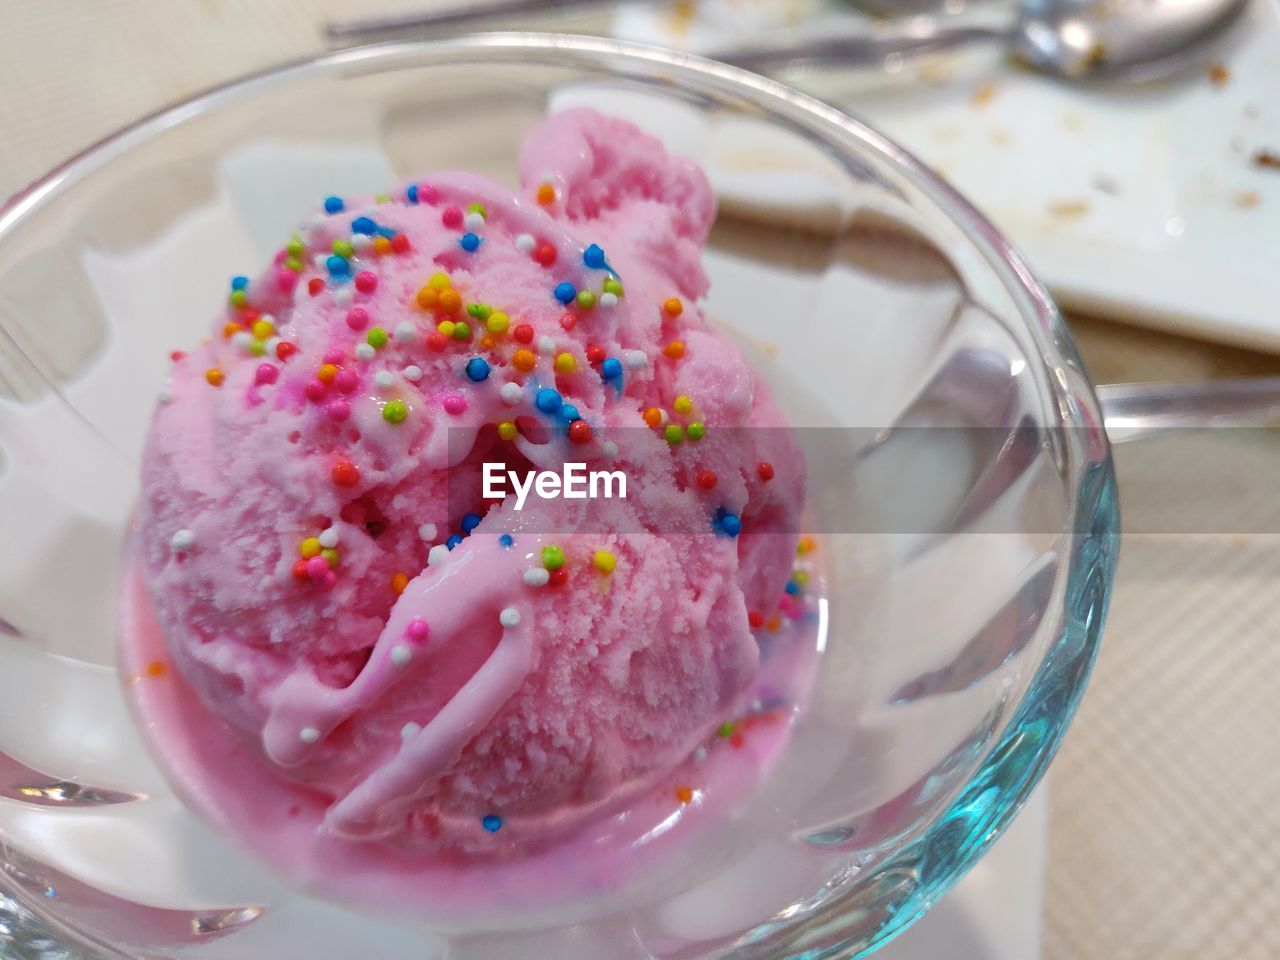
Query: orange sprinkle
[(774, 623), (674, 349), (214, 376), (326, 373), (524, 360), (428, 299), (381, 245), (450, 301), (673, 307), (230, 329), (157, 668), (398, 582), (684, 794), (486, 342), (805, 545), (546, 194), (653, 417)]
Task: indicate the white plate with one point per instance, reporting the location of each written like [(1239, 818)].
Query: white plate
[(1142, 204)]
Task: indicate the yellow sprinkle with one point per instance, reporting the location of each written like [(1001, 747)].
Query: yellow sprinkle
[(801, 577), (309, 548), (605, 561), (331, 554), (381, 245), (263, 329), (683, 405), (565, 363), (507, 430), (498, 323), (446, 327), (439, 281)]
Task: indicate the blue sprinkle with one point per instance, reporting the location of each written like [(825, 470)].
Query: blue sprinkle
[(411, 194), (611, 368), (469, 242), (506, 540), (730, 524), (334, 205), (239, 283), (569, 413), (363, 225), (548, 400), (453, 541), (338, 266), (793, 588), (492, 823), (565, 292), (478, 369), (386, 232), (470, 522), (593, 257)]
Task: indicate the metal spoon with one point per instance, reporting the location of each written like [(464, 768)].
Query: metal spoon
[(1073, 39)]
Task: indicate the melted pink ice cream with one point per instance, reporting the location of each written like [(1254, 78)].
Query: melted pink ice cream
[(523, 707)]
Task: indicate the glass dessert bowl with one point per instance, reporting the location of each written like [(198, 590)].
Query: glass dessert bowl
[(960, 496)]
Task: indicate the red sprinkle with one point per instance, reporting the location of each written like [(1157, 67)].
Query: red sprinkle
[(707, 479), (765, 470), (285, 349), (357, 318), (756, 619), (580, 431), (316, 390), (300, 571), (595, 353), (523, 332), (560, 575), (345, 473), (248, 316), (366, 281), (568, 321), (315, 285), (177, 355), (400, 243), (452, 217), (437, 341), (266, 373), (737, 740), (545, 254)]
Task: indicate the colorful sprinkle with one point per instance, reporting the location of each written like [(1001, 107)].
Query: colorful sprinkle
[(497, 323), (549, 400), (611, 368), (451, 217), (214, 377), (523, 333), (477, 369), (566, 363), (546, 194), (725, 730), (765, 471), (450, 301), (266, 373), (366, 281), (673, 307), (580, 432), (453, 541), (707, 479), (512, 393), (611, 285), (358, 318), (399, 581), (696, 431), (507, 430), (311, 734), (509, 617), (552, 557), (395, 411), (684, 795), (417, 630), (376, 338), (683, 405), (605, 561), (337, 266), (674, 350), (545, 254), (586, 299), (525, 243), (401, 655), (536, 577), (755, 619), (345, 474), (524, 360), (469, 522), (334, 205), (593, 257), (492, 823), (183, 541), (673, 434), (455, 404), (364, 226), (310, 547), (469, 242), (565, 292), (506, 541)]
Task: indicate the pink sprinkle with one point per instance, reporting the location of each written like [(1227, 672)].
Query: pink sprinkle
[(338, 410), (267, 373), (417, 630), (357, 318), (455, 404), (286, 280), (329, 582), (428, 194), (334, 355), (317, 568), (452, 217), (280, 255), (346, 381), (315, 390), (366, 281)]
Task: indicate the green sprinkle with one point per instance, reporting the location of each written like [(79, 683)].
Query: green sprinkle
[(725, 729), (377, 338), (344, 249), (257, 348), (383, 198), (293, 263), (461, 331), (294, 247), (674, 433), (552, 558), (586, 299), (480, 311), (697, 431), (239, 298), (477, 208), (613, 286), (394, 411)]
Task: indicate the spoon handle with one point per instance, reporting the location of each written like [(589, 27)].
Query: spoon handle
[(870, 49), (1133, 410)]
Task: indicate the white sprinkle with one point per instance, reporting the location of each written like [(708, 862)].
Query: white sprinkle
[(271, 345), (473, 221), (329, 537), (757, 706), (270, 318), (183, 540), (410, 730), (437, 555), (365, 352), (427, 532), (547, 177), (242, 341), (319, 220), (318, 261), (608, 300), (308, 734), (536, 577), (637, 360), (700, 754), (609, 448), (546, 346), (384, 379), (406, 332), (525, 243), (512, 393), (344, 295), (401, 655), (361, 242), (509, 617), (412, 373), (663, 417), (165, 393)]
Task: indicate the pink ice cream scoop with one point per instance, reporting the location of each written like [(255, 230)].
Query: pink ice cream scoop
[(432, 668)]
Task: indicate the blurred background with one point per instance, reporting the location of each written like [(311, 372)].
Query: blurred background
[(1151, 209)]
